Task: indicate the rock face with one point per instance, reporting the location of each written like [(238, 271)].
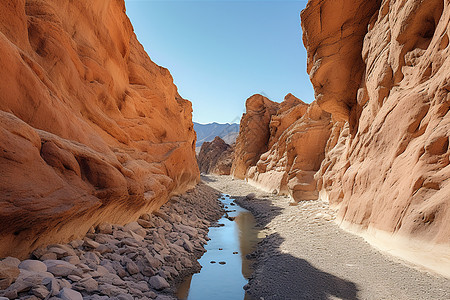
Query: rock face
[(91, 130), (215, 157), (381, 69), (254, 134), (294, 138)]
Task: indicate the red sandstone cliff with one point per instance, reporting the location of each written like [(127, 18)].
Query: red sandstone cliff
[(381, 69), (91, 130), (254, 134), (285, 159), (215, 157)]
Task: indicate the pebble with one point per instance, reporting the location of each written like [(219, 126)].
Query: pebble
[(59, 267), (33, 265), (158, 283), (69, 294), (121, 262)]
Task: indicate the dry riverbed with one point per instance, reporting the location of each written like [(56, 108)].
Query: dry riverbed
[(307, 256), (141, 260)]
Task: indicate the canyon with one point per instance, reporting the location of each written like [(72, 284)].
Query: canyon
[(100, 175)]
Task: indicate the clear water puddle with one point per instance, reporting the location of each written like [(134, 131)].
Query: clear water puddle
[(230, 244)]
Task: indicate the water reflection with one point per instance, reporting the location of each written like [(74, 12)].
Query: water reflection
[(235, 240)]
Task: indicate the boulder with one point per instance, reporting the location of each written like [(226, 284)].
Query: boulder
[(69, 294), (158, 283)]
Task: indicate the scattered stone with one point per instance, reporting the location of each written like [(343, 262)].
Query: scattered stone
[(124, 297), (104, 228), (235, 252), (33, 265), (76, 243), (158, 283), (87, 284), (41, 292), (220, 248), (213, 262), (88, 243), (74, 260), (132, 268), (251, 196), (111, 290), (59, 267), (52, 285), (120, 262), (69, 294), (49, 256), (133, 226), (222, 262), (8, 274), (188, 246), (92, 258)]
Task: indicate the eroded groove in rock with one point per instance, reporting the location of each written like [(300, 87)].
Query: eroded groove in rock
[(387, 169), (91, 130), (285, 159)]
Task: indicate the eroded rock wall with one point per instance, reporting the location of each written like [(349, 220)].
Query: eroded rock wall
[(91, 130), (215, 157), (254, 134), (387, 162), (294, 148)]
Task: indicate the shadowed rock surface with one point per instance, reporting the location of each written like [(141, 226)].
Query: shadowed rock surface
[(91, 130), (387, 166), (380, 68), (294, 141), (215, 157)]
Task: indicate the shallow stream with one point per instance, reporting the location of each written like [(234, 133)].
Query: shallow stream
[(225, 268)]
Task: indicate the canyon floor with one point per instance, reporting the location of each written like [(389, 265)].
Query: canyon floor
[(305, 255)]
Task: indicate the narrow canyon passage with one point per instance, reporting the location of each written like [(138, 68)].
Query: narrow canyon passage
[(307, 256)]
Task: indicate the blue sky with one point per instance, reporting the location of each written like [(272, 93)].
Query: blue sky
[(222, 52)]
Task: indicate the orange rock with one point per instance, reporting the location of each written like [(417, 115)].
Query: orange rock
[(383, 68), (298, 134), (215, 157), (91, 130), (254, 134)]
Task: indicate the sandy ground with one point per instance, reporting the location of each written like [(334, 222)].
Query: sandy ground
[(307, 256)]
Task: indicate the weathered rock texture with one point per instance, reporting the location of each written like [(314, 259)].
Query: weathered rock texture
[(254, 134), (215, 157), (291, 150), (381, 68), (91, 130)]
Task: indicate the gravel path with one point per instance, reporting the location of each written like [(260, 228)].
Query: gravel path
[(307, 256)]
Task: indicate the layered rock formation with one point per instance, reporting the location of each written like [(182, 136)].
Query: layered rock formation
[(253, 135), (295, 136), (215, 157), (381, 69), (91, 130)]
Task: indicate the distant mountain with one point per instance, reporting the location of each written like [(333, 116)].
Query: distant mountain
[(207, 132)]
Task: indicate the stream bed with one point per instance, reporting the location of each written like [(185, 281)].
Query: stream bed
[(225, 268)]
